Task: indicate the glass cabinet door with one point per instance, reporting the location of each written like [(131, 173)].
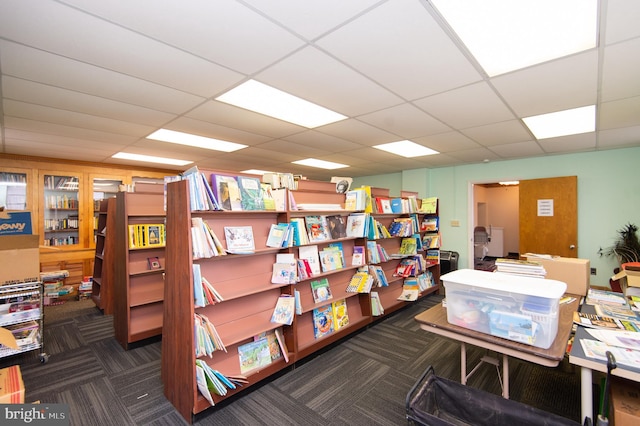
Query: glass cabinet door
[(103, 189), (61, 208), (13, 191)]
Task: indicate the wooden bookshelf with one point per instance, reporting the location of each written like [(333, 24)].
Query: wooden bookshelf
[(244, 282), (103, 265), (138, 290)]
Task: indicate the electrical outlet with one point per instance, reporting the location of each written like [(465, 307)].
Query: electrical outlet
[(455, 223), (593, 271)]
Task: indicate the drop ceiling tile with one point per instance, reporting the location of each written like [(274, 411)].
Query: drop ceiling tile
[(36, 65), (221, 32), (447, 142), (622, 137), (498, 133), (327, 142), (63, 140), (293, 149), (54, 97), (356, 131), (622, 113), (311, 19), (565, 83), (238, 118), (467, 106), (573, 143), (48, 150), (518, 150), (476, 155), (325, 81), (66, 31), (46, 128), (406, 121), (622, 20), (216, 131), (399, 45), (73, 119), (620, 71)]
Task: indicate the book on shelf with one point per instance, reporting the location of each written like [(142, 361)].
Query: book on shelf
[(331, 259), (321, 290), (340, 314), (146, 235), (201, 196), (337, 226), (322, 321), (356, 225), (250, 189), (432, 257), (300, 237), (154, 263), (285, 270), (277, 235), (284, 310), (311, 255), (368, 202), (410, 290), (432, 241), (379, 277), (304, 269), (239, 239), (280, 198), (297, 302), (358, 256), (376, 304), (267, 197), (253, 355), (317, 228), (360, 282), (429, 205), (227, 191), (282, 343), (430, 224), (383, 205), (207, 338), (210, 381), (355, 199), (604, 322), (204, 242)]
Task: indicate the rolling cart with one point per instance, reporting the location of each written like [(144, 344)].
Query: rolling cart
[(22, 313), (438, 401)]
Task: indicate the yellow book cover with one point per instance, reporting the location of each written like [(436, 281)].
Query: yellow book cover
[(340, 314)]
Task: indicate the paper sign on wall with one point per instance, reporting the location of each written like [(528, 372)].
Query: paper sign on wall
[(545, 207)]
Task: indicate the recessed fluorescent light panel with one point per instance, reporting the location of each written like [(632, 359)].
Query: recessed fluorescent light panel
[(151, 159), (263, 99), (320, 164), (563, 123), (188, 139), (406, 149), (506, 35), (255, 172)]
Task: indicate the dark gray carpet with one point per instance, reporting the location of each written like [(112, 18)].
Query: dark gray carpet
[(361, 381)]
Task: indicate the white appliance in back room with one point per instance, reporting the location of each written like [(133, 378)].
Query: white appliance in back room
[(496, 243)]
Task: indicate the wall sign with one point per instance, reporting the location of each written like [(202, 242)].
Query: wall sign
[(545, 207)]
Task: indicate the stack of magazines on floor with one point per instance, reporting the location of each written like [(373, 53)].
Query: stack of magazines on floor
[(521, 267), (614, 326)]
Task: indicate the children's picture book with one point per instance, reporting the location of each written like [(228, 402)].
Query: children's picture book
[(317, 228), (310, 253), (227, 191), (282, 343), (429, 205), (274, 347), (254, 355), (610, 323), (358, 256), (155, 235), (154, 263), (322, 321), (340, 314), (267, 197), (337, 226), (356, 225), (331, 259), (321, 290), (251, 197), (239, 239), (284, 310), (277, 234)]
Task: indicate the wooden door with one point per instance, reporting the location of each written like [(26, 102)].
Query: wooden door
[(549, 216)]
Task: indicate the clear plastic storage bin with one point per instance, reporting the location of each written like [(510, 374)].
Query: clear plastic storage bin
[(517, 308)]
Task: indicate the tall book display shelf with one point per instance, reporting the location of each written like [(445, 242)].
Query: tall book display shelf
[(245, 283), (138, 288), (103, 265)]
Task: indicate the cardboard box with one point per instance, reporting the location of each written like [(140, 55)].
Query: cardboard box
[(19, 259), (629, 281), (574, 272), (11, 385), (625, 403)]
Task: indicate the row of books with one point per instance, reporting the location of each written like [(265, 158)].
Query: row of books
[(413, 286), (404, 226), (211, 381), (203, 292), (263, 350), (519, 267), (207, 339), (146, 235), (376, 253)]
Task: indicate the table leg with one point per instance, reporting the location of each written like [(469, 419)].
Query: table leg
[(463, 363), (505, 376), (586, 395)]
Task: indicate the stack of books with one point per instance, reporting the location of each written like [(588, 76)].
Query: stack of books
[(521, 267)]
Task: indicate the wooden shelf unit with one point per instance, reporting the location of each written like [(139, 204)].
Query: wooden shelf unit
[(138, 291), (103, 264), (244, 281)]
